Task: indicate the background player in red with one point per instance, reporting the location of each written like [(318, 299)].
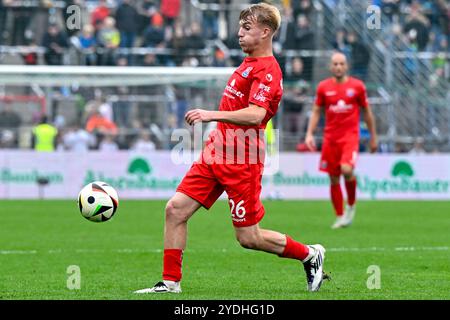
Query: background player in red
[(342, 97), (249, 101)]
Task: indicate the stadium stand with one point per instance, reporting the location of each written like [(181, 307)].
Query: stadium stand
[(405, 63)]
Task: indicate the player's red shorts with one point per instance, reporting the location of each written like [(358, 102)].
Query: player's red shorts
[(242, 182), (335, 154)]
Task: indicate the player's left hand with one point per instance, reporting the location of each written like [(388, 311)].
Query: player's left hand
[(197, 115), (373, 145)]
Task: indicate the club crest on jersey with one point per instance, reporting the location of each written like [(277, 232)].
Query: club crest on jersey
[(350, 92), (247, 72), (269, 77)]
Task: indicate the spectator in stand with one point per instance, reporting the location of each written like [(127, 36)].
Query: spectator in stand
[(143, 142), (10, 122), (31, 58), (108, 144), (77, 139), (177, 42), (294, 97), (150, 60), (100, 126), (44, 136), (390, 8), (418, 147), (301, 7), (194, 39), (417, 24), (55, 42), (146, 9), (120, 109), (359, 56), (87, 44), (108, 39), (220, 59), (340, 43), (127, 21), (170, 9), (3, 13), (99, 14), (21, 16), (210, 21), (301, 37), (154, 34)]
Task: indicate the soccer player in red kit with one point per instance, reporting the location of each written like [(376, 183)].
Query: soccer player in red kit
[(250, 99), (342, 97)]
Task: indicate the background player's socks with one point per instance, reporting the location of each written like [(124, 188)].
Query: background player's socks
[(350, 186), (172, 264), (337, 199), (295, 250)]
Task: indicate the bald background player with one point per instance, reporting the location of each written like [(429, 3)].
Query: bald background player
[(249, 101), (341, 97)]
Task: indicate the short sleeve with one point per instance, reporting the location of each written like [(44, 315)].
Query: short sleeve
[(362, 99), (320, 100), (266, 89)]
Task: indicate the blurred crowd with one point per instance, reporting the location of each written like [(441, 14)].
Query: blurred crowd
[(159, 33)]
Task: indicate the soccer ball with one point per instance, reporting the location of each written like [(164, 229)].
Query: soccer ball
[(98, 201)]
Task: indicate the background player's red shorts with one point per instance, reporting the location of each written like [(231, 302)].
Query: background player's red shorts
[(242, 183), (335, 154)]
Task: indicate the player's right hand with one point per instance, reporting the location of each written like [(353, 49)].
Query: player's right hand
[(310, 142)]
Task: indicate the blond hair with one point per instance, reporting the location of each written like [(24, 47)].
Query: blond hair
[(264, 13)]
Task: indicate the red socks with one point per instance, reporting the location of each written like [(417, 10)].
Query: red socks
[(350, 186), (337, 199), (172, 264), (294, 250)]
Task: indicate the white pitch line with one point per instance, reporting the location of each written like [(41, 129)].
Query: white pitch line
[(128, 250), (18, 251)]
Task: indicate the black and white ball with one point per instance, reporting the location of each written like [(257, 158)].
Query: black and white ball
[(98, 201)]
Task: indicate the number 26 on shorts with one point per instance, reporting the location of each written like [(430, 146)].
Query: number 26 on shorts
[(240, 210)]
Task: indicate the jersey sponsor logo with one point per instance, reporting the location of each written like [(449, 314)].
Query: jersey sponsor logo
[(269, 77), (341, 107), (260, 96), (350, 92), (233, 82), (264, 87), (233, 91), (330, 93), (247, 72)]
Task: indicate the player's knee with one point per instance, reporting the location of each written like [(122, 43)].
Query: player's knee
[(175, 212), (347, 171), (248, 241), (334, 180)]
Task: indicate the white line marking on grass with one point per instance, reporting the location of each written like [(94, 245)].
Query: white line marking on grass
[(128, 250), (18, 251)]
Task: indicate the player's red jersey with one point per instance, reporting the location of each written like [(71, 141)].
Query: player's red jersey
[(256, 81), (341, 102)]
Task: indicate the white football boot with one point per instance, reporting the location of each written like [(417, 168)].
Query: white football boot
[(340, 222), (314, 267), (163, 287), (349, 214)]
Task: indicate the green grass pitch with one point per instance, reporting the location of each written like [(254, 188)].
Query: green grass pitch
[(408, 241)]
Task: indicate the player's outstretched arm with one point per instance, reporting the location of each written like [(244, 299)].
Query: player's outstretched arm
[(251, 116), (370, 121), (312, 125)]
